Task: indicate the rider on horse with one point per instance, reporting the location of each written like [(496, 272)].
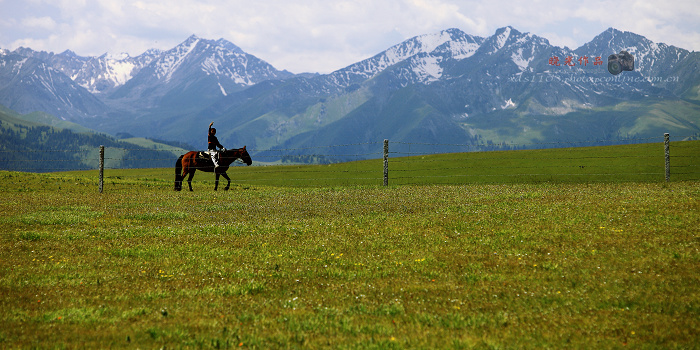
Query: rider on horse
[(212, 144)]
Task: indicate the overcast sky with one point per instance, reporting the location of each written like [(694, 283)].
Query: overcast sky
[(325, 35)]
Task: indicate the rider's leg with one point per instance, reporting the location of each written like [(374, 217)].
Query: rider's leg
[(213, 159)]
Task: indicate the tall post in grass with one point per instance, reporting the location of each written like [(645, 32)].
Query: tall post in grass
[(102, 166), (386, 162), (667, 150)]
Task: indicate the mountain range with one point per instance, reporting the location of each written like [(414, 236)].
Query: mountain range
[(444, 89)]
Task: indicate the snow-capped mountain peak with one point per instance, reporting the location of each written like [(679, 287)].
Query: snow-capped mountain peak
[(502, 36), (216, 58), (650, 58), (116, 57), (463, 45), (204, 70), (224, 44), (424, 54), (200, 67), (152, 52), (173, 58), (69, 53)]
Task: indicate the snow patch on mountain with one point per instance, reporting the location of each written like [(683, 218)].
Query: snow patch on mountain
[(428, 43), (398, 53), (424, 55), (502, 38), (508, 104), (222, 65), (420, 44), (461, 49), (428, 69), (120, 71), (18, 65), (152, 52), (172, 59), (211, 65), (520, 60), (116, 57)]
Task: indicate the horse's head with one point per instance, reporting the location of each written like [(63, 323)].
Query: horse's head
[(245, 156), (229, 156)]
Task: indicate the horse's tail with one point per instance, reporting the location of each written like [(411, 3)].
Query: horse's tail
[(178, 174)]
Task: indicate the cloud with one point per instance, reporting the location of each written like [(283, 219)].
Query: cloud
[(46, 22), (321, 35)]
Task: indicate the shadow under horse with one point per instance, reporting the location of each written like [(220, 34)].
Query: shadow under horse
[(192, 161)]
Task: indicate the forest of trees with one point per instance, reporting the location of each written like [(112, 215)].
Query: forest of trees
[(45, 149)]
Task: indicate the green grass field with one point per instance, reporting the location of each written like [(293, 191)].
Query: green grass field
[(498, 261), (629, 163)]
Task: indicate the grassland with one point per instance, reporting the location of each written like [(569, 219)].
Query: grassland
[(544, 264), (628, 163)]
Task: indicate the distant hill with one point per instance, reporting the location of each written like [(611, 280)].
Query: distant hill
[(26, 144)]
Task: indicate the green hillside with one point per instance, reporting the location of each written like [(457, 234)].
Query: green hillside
[(407, 115), (28, 143), (47, 119), (627, 120), (12, 120)]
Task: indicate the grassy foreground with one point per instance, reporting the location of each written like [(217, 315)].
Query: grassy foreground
[(450, 266)]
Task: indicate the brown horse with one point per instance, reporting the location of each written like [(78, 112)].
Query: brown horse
[(190, 162)]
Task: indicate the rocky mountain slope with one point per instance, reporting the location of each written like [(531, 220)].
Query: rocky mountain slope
[(442, 88)]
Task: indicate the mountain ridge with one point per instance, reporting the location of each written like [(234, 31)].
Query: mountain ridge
[(448, 86)]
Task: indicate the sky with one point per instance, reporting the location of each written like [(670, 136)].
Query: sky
[(326, 35)]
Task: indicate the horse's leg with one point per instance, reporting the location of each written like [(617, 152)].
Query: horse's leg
[(185, 171), (178, 173), (228, 183), (216, 183), (189, 179)]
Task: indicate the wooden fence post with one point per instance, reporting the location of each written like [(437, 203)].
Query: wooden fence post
[(386, 162), (102, 166), (667, 151)]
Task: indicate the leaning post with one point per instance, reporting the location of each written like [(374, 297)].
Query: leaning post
[(102, 166), (667, 151), (386, 162)]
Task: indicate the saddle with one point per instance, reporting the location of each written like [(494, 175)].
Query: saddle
[(203, 155)]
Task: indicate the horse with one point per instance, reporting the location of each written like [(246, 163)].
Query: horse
[(192, 161)]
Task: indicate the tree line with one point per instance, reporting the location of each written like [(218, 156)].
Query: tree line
[(45, 149)]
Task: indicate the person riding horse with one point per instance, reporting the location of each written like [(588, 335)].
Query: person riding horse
[(212, 144), (188, 163)]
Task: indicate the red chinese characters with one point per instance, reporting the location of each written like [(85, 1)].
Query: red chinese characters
[(569, 61), (572, 62), (554, 61), (583, 60)]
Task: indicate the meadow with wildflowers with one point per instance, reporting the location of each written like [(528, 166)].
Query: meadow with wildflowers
[(543, 265)]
